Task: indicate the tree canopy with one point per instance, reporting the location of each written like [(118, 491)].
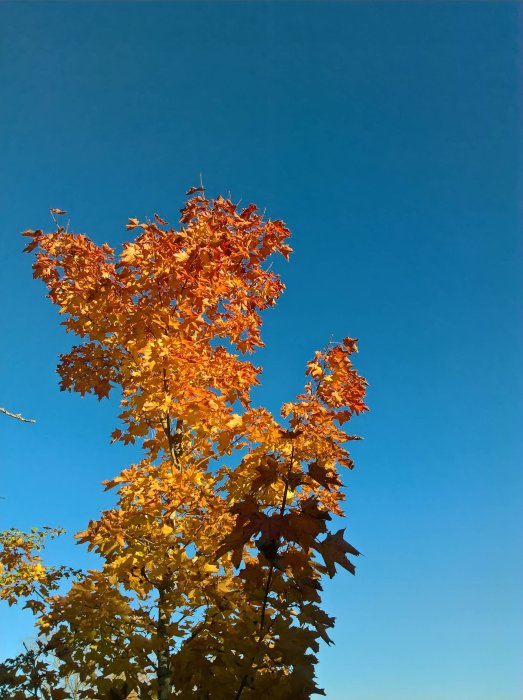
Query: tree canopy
[(213, 554)]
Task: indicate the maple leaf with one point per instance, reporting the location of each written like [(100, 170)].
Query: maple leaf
[(246, 213), (334, 550), (133, 223), (192, 190), (323, 476), (350, 344)]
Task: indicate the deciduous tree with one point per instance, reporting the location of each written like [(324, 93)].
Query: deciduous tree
[(213, 554)]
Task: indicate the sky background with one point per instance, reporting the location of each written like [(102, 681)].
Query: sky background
[(385, 135)]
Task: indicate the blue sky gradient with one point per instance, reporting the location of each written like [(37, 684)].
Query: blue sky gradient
[(385, 135)]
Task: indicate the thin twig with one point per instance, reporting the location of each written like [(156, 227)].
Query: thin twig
[(18, 416)]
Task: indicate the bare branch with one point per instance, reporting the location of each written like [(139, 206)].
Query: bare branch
[(18, 416)]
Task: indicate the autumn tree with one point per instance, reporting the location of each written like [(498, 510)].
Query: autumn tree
[(214, 552)]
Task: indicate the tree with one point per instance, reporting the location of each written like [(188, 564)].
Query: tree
[(213, 555)]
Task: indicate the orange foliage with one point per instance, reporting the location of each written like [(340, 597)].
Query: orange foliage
[(213, 555)]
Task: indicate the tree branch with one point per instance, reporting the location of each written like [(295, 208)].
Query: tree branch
[(18, 416), (261, 634)]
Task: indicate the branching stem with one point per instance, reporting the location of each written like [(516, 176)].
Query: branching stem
[(261, 633)]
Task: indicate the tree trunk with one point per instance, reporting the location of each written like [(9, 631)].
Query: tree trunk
[(163, 654)]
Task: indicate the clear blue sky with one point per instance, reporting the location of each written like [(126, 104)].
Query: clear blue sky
[(385, 135)]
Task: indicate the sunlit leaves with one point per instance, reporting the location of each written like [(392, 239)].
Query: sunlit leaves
[(22, 572), (213, 552)]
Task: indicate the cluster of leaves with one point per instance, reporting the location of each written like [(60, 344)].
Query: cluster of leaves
[(38, 672), (213, 555), (22, 574)]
